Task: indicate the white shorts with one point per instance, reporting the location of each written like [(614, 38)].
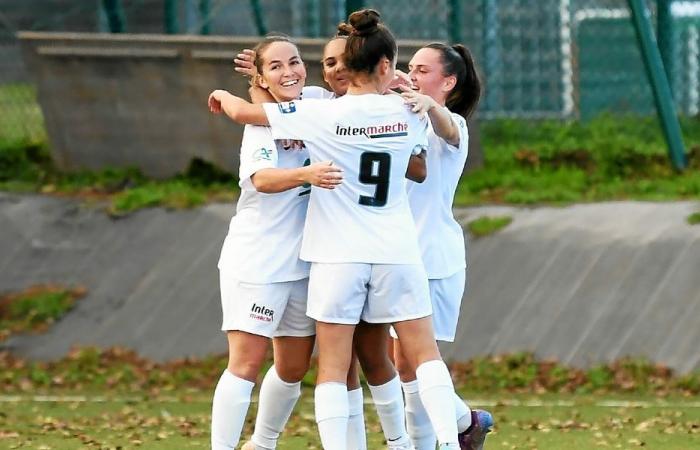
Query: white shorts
[(270, 310), (446, 298), (376, 293)]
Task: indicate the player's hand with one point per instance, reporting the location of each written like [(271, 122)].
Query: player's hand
[(401, 79), (420, 103), (215, 99), (323, 174), (244, 63)]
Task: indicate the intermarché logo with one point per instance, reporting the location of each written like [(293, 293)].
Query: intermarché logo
[(261, 313), (374, 131)]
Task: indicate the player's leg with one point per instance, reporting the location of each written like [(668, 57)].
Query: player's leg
[(249, 319), (357, 435), (337, 307), (384, 385), (400, 294), (234, 388), (281, 388), (446, 297)]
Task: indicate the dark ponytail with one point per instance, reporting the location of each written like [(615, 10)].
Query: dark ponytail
[(457, 60), (368, 41)]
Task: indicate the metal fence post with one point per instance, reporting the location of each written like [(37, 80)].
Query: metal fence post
[(205, 14), (170, 17), (491, 55), (115, 15), (258, 16), (456, 22), (668, 42), (659, 82), (313, 22)]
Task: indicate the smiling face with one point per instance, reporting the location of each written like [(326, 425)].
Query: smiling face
[(426, 72), (334, 72), (283, 72)]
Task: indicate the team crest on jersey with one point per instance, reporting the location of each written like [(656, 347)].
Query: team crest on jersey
[(287, 107), (262, 154)]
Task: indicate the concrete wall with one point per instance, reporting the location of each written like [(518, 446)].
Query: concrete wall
[(140, 100), (585, 284)]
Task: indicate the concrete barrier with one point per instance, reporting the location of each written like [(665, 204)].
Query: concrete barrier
[(117, 100), (585, 284)]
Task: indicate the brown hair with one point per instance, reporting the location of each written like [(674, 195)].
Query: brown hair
[(457, 60), (262, 45), (368, 41)]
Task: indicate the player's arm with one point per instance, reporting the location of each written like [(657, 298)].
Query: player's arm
[(440, 117), (417, 168), (323, 174), (236, 108)]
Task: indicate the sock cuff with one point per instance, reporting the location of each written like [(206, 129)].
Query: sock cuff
[(331, 401), (387, 392), (272, 373), (410, 387), (228, 377), (356, 402), (433, 374)]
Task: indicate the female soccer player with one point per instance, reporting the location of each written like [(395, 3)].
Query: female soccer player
[(270, 420), (263, 281), (361, 238), (446, 86)]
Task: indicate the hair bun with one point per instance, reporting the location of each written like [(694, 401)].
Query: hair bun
[(364, 22), (344, 30)]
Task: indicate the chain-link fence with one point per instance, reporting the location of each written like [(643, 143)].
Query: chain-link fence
[(550, 58)]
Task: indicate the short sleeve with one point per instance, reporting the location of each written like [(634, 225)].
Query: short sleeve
[(463, 135), (258, 151), (300, 119)]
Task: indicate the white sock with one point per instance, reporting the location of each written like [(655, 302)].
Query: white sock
[(228, 411), (357, 435), (388, 400), (464, 414), (277, 400), (420, 430), (332, 410), (437, 394)]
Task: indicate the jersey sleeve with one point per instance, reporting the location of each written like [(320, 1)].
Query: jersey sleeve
[(420, 126), (461, 124), (258, 151), (299, 119)]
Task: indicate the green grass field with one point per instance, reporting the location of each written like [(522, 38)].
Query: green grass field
[(180, 420)]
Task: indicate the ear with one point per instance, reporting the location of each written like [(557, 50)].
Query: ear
[(449, 83), (260, 81), (384, 65)]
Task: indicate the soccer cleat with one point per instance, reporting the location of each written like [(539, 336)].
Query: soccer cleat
[(473, 438)]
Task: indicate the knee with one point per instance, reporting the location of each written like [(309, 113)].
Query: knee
[(292, 371), (246, 368), (377, 368)]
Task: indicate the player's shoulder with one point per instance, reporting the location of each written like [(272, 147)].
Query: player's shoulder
[(459, 120), (257, 133), (317, 92)]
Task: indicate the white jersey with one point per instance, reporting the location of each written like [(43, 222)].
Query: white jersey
[(264, 237), (440, 237), (370, 137)]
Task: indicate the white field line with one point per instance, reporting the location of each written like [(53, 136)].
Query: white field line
[(604, 403)]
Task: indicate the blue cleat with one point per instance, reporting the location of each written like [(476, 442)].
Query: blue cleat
[(473, 438)]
